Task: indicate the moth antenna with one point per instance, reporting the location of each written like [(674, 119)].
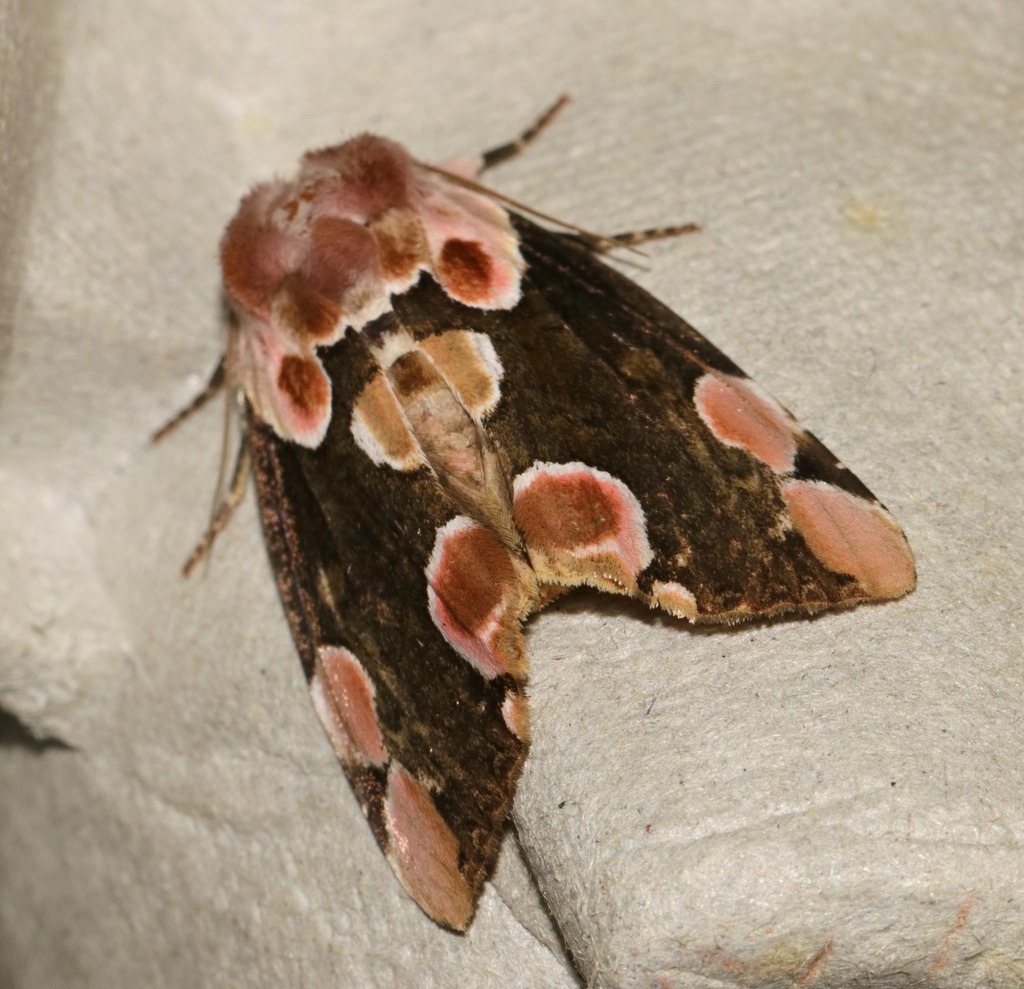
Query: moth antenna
[(600, 241), (632, 237), (223, 512), (210, 389), (595, 241), (509, 150)]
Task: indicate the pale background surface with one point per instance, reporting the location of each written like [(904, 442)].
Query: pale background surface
[(822, 802)]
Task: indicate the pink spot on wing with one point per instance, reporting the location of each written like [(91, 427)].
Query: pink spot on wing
[(424, 852), (741, 414), (343, 697), (581, 525), (477, 594), (304, 399), (287, 387), (465, 271), (474, 249), (853, 536)]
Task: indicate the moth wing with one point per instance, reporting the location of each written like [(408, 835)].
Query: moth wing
[(647, 463), (431, 745), (640, 460)]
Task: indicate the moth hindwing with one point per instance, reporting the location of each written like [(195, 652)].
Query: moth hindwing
[(454, 414)]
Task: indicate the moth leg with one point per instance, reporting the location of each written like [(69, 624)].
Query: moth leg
[(505, 151), (226, 508), (631, 238), (212, 387)]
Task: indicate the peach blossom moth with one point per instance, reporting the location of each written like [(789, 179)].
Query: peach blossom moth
[(438, 457)]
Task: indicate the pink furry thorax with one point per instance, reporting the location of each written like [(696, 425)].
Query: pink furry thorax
[(303, 261)]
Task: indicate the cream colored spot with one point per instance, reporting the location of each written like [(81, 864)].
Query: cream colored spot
[(380, 429), (516, 714), (675, 599), (470, 365)]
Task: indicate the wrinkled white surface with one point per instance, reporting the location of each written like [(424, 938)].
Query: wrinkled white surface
[(828, 801)]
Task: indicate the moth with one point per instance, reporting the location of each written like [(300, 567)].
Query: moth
[(453, 415)]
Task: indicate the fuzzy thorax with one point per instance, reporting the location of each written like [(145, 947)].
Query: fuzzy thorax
[(305, 260)]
